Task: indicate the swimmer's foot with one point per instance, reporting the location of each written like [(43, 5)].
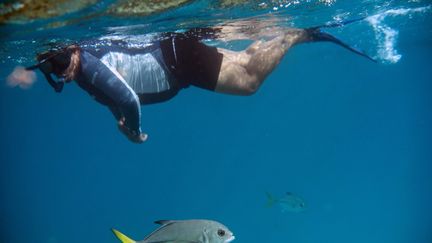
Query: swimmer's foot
[(136, 137)]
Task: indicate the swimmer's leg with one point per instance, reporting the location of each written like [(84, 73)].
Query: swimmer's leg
[(242, 73)]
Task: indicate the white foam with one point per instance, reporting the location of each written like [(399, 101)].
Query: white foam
[(386, 36)]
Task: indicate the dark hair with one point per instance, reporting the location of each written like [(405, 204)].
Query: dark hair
[(65, 62)]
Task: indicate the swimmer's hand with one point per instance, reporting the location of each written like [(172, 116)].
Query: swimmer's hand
[(21, 77), (58, 87), (133, 136)]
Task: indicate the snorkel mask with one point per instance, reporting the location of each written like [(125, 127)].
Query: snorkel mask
[(47, 70)]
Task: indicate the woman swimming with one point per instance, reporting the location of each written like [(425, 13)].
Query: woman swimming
[(123, 78)]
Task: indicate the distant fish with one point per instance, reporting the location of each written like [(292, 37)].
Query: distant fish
[(185, 231), (288, 202)]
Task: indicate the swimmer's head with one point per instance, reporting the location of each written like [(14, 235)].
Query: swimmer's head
[(53, 61), (64, 63)]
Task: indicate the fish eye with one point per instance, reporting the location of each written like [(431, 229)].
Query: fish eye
[(221, 232)]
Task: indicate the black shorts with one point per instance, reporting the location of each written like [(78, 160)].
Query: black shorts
[(192, 62)]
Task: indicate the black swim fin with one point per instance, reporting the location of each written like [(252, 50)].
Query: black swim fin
[(315, 34)]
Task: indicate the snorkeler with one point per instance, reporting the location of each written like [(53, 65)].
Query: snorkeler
[(123, 78)]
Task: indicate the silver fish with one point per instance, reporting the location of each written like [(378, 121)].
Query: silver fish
[(184, 231), (288, 202)]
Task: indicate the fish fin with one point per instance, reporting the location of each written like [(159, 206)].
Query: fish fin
[(123, 238), (164, 222), (270, 199)]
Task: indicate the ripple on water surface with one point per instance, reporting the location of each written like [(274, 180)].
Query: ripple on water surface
[(30, 26)]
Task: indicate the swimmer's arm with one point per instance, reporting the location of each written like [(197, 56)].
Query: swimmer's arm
[(129, 116), (120, 98), (134, 136)]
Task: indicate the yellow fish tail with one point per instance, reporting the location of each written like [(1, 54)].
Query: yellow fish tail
[(123, 238)]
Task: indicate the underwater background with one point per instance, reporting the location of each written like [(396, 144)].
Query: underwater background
[(351, 137)]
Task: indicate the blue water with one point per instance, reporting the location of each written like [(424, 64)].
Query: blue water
[(351, 137)]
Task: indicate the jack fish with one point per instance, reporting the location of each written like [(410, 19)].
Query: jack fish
[(184, 231), (288, 202)]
